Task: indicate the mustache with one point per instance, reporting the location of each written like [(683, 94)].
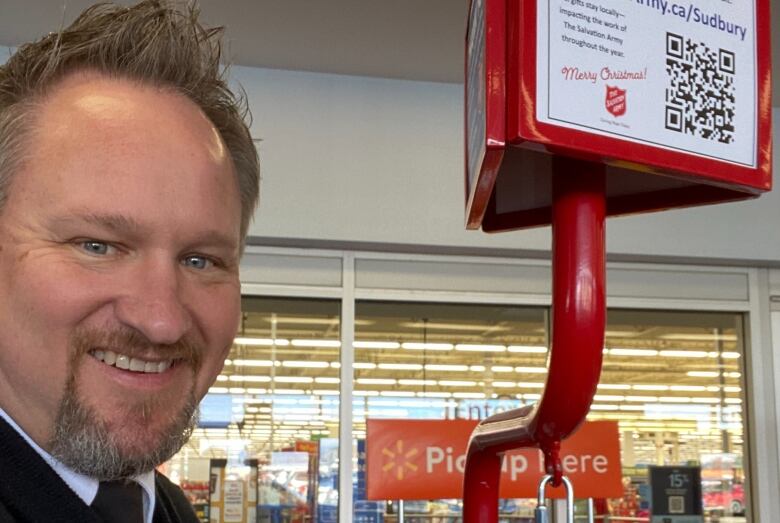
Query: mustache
[(132, 343)]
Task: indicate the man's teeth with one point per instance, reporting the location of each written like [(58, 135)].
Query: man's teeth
[(122, 361)]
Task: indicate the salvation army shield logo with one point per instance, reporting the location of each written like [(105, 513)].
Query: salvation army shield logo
[(615, 101)]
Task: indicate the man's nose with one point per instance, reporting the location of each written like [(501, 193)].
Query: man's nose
[(152, 302)]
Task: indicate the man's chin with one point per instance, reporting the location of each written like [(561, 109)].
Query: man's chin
[(114, 443)]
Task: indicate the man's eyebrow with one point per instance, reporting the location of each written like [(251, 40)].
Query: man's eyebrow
[(120, 223), (212, 238), (110, 221)]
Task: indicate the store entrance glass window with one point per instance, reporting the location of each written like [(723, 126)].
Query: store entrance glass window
[(431, 361), (266, 445), (675, 383), (672, 382)]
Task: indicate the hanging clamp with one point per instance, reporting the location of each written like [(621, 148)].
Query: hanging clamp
[(541, 514), (552, 462)]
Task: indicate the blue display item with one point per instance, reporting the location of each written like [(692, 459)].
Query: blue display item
[(269, 514), (675, 494), (218, 411), (327, 514), (359, 493), (328, 470), (369, 512)]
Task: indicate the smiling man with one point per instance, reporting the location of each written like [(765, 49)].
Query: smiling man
[(127, 181)]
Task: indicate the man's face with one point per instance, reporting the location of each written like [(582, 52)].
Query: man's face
[(119, 247)]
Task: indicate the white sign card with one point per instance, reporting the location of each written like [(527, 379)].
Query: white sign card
[(680, 75)]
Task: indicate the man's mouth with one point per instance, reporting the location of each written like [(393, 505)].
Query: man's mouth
[(124, 362)]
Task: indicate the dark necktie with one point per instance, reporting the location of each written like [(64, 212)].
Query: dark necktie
[(119, 502)]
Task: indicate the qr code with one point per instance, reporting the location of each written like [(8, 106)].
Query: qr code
[(700, 95), (676, 505)]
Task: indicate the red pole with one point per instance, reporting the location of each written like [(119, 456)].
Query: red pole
[(574, 363)]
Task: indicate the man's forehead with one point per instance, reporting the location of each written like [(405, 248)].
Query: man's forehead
[(101, 102)]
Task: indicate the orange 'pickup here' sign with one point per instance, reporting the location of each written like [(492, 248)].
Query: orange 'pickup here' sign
[(424, 459)]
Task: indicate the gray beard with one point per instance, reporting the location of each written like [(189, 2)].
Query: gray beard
[(83, 442)]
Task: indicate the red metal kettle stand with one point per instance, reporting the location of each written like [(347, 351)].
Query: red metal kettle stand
[(578, 318)]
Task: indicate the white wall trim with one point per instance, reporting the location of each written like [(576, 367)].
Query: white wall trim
[(292, 291), (346, 374), (763, 371)]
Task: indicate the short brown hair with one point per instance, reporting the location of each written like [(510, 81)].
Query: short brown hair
[(153, 42)]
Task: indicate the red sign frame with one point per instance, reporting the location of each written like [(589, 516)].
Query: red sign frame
[(512, 169)]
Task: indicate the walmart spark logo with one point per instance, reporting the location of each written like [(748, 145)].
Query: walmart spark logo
[(399, 460)]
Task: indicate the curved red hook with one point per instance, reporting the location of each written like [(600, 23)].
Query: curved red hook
[(574, 361)]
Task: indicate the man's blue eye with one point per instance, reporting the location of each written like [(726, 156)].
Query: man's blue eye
[(196, 262), (95, 247)]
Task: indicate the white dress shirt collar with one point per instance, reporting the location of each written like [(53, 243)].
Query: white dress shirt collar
[(84, 486)]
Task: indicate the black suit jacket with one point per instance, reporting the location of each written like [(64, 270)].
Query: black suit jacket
[(31, 492)]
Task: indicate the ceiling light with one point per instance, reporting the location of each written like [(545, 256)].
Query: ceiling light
[(504, 384), (650, 387), (416, 382), (434, 394), (479, 348), (527, 349), (397, 393), (253, 363), (376, 345), (674, 399), (502, 368), (453, 326), (260, 342), (699, 337), (530, 384), (644, 399), (468, 395), (684, 353), (364, 365), (253, 379), (326, 380), (447, 368), (477, 368), (702, 374), (218, 390), (252, 390), (290, 391), (292, 379), (633, 352), (532, 370), (457, 383), (613, 386), (706, 400), (316, 343)]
